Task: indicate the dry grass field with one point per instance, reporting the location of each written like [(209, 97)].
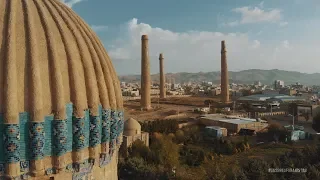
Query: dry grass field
[(192, 101), (159, 111)]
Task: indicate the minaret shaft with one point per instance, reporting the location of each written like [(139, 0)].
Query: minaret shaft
[(224, 74), (162, 78), (145, 74)]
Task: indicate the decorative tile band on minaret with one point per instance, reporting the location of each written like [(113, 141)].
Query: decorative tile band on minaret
[(145, 74), (224, 74), (162, 77)]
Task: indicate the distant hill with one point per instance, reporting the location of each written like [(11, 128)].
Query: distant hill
[(246, 76)]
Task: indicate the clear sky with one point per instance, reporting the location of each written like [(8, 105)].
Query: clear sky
[(270, 34)]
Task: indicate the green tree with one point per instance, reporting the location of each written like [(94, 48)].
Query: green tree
[(180, 137), (165, 152), (313, 172), (139, 149), (218, 174), (256, 169)]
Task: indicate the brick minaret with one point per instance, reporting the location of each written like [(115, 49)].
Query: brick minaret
[(162, 78), (224, 75), (145, 74)]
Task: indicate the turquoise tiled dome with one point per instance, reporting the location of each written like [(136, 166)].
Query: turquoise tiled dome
[(60, 100)]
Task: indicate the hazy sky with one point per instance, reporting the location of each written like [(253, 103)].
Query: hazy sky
[(270, 34)]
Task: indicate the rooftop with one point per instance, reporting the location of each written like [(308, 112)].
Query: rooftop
[(264, 97), (228, 119), (214, 127)]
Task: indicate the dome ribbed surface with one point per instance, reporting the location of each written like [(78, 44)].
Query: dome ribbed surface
[(50, 57), (131, 127)]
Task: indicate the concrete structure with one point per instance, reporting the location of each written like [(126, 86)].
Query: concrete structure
[(215, 131), (232, 123), (269, 97), (278, 84), (224, 74), (162, 78), (145, 74), (130, 92), (61, 109), (257, 83), (270, 91), (132, 132), (289, 92), (154, 91)]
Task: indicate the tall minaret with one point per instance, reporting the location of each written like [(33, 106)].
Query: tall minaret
[(224, 75), (162, 78), (145, 101)]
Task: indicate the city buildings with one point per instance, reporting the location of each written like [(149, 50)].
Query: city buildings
[(278, 84), (233, 124)]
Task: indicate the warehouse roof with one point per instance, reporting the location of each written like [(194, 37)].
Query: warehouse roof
[(228, 119), (264, 97)]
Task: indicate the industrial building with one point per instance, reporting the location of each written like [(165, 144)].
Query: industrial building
[(269, 97), (233, 124), (215, 132)]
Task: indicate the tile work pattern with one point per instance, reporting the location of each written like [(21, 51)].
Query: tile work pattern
[(34, 140), (95, 131), (11, 138), (37, 136), (60, 137), (113, 129), (79, 133), (106, 124)]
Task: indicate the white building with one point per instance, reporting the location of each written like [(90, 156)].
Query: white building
[(278, 84)]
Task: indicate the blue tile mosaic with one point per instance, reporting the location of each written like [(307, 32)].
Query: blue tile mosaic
[(50, 171), (95, 131), (69, 126), (113, 129), (25, 152), (100, 111), (120, 125), (69, 168), (106, 124), (78, 133), (11, 139), (37, 136), (35, 140), (87, 127), (24, 166), (48, 126), (80, 128), (60, 137), (2, 159)]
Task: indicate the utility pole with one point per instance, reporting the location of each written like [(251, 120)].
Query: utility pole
[(234, 106), (293, 120), (178, 113), (158, 101)]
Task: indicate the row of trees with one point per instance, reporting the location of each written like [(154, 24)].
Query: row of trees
[(161, 126), (154, 162)]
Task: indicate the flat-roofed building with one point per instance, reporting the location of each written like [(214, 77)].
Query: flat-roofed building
[(233, 124)]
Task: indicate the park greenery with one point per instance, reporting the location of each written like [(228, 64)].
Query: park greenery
[(188, 153)]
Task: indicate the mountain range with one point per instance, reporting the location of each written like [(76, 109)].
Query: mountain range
[(245, 77)]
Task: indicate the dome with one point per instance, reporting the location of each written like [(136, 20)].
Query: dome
[(60, 97), (131, 127)]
